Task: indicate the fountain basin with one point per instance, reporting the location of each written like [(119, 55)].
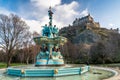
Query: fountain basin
[(46, 72), (86, 76)]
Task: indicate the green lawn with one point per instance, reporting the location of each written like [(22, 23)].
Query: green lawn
[(3, 65)]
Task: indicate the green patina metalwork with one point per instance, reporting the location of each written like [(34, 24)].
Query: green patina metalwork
[(50, 41)]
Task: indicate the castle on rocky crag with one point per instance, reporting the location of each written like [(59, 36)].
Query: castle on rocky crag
[(85, 30), (86, 22)]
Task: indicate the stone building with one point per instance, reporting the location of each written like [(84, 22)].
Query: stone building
[(86, 22)]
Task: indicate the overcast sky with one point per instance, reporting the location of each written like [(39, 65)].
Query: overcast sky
[(34, 12)]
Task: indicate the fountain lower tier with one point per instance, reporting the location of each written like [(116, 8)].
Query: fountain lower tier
[(46, 72), (50, 53)]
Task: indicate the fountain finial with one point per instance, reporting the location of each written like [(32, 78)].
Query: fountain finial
[(50, 13)]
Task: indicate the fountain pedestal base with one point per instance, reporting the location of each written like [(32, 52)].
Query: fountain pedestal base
[(50, 62)]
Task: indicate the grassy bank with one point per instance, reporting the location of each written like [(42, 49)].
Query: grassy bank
[(3, 65)]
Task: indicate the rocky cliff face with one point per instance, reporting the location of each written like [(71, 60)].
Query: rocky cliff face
[(87, 36), (77, 35)]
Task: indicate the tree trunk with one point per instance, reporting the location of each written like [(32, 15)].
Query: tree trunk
[(27, 60), (9, 61), (103, 61), (34, 59)]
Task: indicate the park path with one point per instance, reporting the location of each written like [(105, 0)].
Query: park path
[(115, 70), (116, 77), (2, 70)]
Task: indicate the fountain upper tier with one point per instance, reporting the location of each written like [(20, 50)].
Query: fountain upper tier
[(46, 40), (50, 34)]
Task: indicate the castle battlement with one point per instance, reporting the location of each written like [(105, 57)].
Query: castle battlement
[(87, 22)]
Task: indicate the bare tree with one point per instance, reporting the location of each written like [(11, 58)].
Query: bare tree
[(12, 33), (35, 51), (27, 44)]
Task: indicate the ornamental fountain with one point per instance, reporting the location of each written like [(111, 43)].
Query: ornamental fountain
[(50, 53), (49, 62)]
